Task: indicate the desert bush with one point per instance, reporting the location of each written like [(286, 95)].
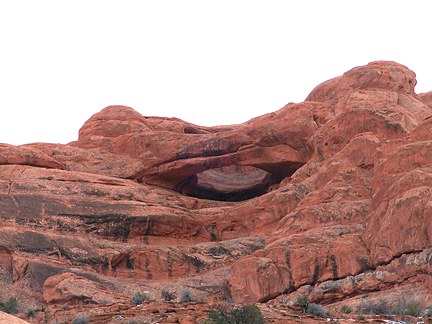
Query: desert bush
[(10, 306), (32, 310), (346, 309), (248, 314), (317, 310), (400, 307), (82, 319), (168, 296), (412, 307), (186, 296), (375, 308), (303, 302), (138, 298)]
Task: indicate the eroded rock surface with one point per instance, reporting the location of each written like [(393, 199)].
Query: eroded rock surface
[(329, 198)]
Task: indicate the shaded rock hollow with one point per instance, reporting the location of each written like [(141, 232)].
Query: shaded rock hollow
[(307, 197)]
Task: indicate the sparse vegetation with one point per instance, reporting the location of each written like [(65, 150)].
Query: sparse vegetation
[(314, 309), (168, 296), (248, 314), (186, 296), (414, 309), (82, 319), (138, 298), (346, 309), (317, 310), (10, 306), (375, 308), (303, 302), (411, 307), (32, 310), (399, 307)]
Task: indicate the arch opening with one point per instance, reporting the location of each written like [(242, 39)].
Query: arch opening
[(233, 183)]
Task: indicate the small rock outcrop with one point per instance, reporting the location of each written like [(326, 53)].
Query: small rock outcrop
[(70, 289)]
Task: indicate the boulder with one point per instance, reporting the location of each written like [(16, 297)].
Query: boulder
[(71, 289)]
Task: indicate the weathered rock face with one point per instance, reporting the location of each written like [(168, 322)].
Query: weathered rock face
[(10, 319), (311, 257), (277, 143), (69, 288), (329, 197), (10, 154), (426, 98)]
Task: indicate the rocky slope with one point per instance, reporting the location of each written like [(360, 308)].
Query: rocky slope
[(329, 198)]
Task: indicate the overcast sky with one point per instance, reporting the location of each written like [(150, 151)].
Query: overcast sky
[(206, 62)]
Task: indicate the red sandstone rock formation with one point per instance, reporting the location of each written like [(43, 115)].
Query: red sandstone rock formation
[(329, 197), (71, 289)]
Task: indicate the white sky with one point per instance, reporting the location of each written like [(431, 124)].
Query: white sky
[(206, 62)]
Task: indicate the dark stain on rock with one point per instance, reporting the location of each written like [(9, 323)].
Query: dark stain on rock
[(218, 251), (148, 270), (334, 267), (129, 263), (315, 275)]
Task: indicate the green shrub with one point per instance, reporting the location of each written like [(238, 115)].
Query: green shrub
[(248, 314), (168, 296), (82, 319), (412, 308), (303, 302), (10, 306), (138, 298), (317, 310), (186, 296)]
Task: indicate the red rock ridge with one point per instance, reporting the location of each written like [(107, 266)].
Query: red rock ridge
[(329, 197)]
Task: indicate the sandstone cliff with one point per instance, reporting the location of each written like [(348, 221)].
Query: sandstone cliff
[(329, 197)]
